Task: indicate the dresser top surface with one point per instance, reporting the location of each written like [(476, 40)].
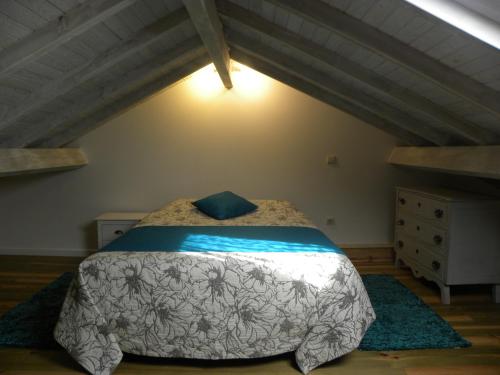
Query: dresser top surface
[(447, 194)]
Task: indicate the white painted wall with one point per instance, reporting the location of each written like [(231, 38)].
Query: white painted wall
[(180, 145)]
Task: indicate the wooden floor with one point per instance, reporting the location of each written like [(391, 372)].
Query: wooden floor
[(471, 313)]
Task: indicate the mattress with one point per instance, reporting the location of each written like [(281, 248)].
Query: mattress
[(184, 285)]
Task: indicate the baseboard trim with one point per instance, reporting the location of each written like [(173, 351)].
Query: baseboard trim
[(364, 245), (370, 254), (47, 252)]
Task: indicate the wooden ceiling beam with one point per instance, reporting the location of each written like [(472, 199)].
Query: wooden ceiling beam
[(206, 21), (388, 46), (179, 65), (42, 130), (124, 103), (324, 96), (53, 35), (478, 161), (76, 77), (326, 82), (16, 161), (460, 127)]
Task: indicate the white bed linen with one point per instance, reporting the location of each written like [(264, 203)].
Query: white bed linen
[(214, 305)]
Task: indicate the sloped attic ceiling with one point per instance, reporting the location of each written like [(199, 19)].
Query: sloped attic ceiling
[(67, 66)]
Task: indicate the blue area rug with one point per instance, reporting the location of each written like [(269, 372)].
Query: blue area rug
[(403, 320), (30, 324)]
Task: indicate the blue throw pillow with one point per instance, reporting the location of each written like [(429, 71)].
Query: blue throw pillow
[(224, 205)]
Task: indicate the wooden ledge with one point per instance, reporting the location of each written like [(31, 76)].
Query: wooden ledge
[(15, 161), (479, 161)]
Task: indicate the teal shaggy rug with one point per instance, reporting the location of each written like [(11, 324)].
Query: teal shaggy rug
[(403, 320)]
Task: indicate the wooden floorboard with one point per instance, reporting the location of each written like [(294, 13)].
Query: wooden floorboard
[(472, 313)]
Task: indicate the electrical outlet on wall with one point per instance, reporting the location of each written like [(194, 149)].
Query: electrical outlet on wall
[(330, 221), (332, 160)]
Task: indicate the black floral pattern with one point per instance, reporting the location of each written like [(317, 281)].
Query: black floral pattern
[(213, 306)]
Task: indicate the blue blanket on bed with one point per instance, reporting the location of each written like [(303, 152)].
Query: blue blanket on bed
[(224, 239)]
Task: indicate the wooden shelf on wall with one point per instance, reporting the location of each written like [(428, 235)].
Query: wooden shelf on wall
[(16, 161), (478, 161)]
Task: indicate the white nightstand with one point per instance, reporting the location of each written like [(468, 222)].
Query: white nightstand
[(112, 225)]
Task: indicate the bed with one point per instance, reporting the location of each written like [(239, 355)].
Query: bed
[(184, 285)]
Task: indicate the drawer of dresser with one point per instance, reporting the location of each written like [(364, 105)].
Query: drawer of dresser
[(419, 270), (111, 231), (422, 231), (415, 254), (433, 210)]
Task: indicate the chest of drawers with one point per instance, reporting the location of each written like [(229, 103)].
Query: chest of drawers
[(448, 237)]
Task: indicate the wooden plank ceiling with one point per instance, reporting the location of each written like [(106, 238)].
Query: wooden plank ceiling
[(68, 66)]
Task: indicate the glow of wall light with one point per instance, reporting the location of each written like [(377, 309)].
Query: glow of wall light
[(463, 18), (247, 83), (206, 83)]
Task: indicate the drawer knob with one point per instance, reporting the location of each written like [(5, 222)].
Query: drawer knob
[(400, 244), (438, 239), (118, 232), (419, 204), (417, 251), (402, 201), (436, 265), (418, 227), (438, 213), (401, 222)]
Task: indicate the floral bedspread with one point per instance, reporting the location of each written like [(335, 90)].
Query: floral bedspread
[(268, 212), (214, 305)]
